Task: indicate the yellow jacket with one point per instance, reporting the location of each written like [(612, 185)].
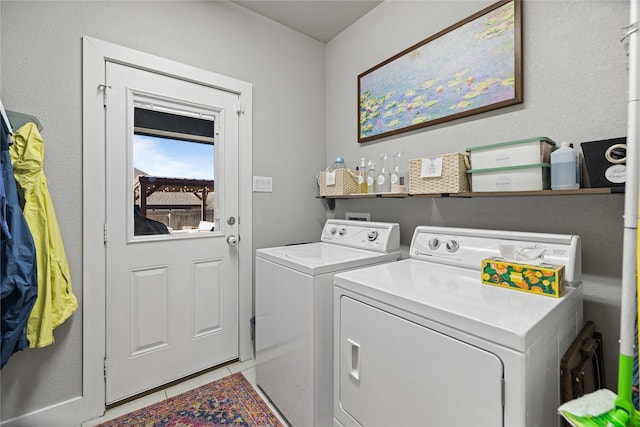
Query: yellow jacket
[(56, 301)]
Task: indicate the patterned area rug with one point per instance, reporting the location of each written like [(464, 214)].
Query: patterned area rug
[(230, 401)]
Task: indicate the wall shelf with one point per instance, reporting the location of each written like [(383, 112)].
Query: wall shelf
[(581, 191)]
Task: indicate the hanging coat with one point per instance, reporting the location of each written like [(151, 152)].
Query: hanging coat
[(56, 301), (4, 226), (18, 273)]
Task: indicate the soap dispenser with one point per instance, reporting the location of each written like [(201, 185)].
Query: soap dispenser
[(398, 173), (362, 176), (371, 177), (384, 177)]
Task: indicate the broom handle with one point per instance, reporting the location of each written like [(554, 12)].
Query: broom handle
[(628, 308)]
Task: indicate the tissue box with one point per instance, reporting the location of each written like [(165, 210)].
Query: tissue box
[(543, 279)]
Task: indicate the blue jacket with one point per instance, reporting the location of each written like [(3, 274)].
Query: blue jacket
[(4, 227), (18, 271)]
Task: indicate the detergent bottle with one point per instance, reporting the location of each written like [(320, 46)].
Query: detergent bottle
[(565, 169)]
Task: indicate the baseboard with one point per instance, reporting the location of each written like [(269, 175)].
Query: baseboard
[(63, 414)]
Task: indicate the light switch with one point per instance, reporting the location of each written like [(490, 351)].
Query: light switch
[(262, 184)]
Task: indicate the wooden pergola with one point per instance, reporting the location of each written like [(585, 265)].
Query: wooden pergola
[(144, 186)]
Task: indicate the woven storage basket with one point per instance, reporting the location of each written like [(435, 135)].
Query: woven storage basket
[(452, 180), (346, 183)]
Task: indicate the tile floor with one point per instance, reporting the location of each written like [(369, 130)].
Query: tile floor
[(247, 368)]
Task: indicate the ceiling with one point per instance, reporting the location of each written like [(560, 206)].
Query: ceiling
[(319, 19)]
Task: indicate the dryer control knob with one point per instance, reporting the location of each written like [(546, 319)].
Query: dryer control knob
[(372, 235), (342, 231), (434, 243), (333, 230), (453, 245)]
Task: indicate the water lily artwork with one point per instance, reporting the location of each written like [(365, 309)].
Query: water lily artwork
[(470, 67)]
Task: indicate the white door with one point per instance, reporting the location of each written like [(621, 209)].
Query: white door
[(172, 299)]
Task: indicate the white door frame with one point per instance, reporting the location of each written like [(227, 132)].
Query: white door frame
[(94, 54)]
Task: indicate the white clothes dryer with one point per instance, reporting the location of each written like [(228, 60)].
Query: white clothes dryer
[(422, 342), (294, 313)]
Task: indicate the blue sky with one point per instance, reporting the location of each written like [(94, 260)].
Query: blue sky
[(172, 158)]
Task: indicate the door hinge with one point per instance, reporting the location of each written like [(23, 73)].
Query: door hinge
[(253, 328), (104, 369), (104, 232), (240, 107), (104, 88)]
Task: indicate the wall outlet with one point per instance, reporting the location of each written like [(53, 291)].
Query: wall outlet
[(357, 216), (262, 184)]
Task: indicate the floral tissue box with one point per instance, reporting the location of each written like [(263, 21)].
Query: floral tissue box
[(543, 279)]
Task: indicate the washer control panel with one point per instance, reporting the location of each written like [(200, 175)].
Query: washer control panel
[(376, 236)]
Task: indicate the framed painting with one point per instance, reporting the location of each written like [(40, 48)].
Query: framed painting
[(469, 68)]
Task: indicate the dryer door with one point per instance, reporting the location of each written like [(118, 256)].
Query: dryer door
[(396, 372)]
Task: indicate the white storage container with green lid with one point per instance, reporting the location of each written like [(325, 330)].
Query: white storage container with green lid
[(514, 153), (532, 177)]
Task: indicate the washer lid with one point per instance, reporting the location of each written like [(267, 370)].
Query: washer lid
[(319, 257), (455, 297)]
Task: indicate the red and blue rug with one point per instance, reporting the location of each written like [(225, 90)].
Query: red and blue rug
[(230, 401)]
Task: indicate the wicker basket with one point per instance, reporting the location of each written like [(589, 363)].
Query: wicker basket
[(346, 183), (452, 180)]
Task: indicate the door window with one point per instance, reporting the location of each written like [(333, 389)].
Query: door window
[(173, 159)]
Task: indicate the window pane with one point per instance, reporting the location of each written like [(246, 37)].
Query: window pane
[(171, 179), (172, 158)]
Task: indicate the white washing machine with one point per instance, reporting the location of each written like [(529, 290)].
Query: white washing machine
[(294, 313), (422, 342)]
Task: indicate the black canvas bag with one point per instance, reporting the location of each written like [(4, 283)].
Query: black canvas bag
[(582, 366)]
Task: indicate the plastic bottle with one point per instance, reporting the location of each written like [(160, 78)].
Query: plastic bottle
[(371, 177), (362, 177), (384, 176), (398, 174), (338, 163), (565, 169)]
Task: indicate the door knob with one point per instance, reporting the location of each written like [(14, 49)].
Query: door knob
[(233, 240)]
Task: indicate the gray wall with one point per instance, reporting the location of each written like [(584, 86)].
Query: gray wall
[(575, 90), (41, 73)]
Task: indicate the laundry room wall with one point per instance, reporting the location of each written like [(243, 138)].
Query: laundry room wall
[(41, 74), (575, 90)]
